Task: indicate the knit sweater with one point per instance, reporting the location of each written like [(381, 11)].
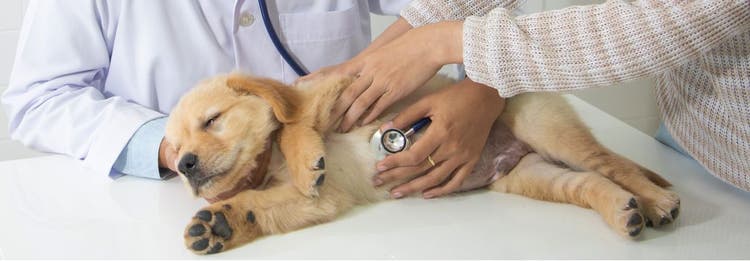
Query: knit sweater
[(698, 50)]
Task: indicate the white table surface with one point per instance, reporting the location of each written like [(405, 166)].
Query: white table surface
[(51, 207)]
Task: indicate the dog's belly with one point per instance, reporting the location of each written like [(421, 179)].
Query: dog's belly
[(352, 164)]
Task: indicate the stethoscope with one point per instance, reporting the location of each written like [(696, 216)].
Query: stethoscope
[(276, 42), (388, 142), (394, 140)]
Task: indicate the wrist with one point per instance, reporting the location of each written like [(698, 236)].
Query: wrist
[(163, 162), (489, 94), (448, 37)]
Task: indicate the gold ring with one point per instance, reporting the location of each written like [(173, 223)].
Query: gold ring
[(429, 159)]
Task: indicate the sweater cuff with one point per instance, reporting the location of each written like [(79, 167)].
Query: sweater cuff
[(478, 46), (417, 14)]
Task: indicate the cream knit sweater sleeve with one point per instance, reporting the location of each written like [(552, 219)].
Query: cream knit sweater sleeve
[(594, 45), (423, 12)]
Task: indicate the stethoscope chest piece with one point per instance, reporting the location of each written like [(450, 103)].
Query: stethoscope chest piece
[(394, 141)]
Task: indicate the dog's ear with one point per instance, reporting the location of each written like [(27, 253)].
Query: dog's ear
[(283, 99)]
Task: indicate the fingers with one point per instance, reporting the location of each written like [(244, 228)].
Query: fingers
[(404, 172), (349, 95), (438, 175), (383, 103), (360, 105), (412, 114), (453, 184), (414, 155)]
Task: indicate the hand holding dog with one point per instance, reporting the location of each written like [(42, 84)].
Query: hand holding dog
[(393, 71), (462, 115)]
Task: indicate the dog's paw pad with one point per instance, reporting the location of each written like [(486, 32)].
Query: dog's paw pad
[(204, 215), (634, 224), (210, 230), (215, 249), (661, 207), (221, 227), (197, 230), (200, 245)]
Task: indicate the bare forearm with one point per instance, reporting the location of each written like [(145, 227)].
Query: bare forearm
[(396, 29)]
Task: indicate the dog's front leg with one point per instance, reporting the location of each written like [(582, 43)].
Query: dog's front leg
[(304, 151), (302, 141), (254, 213)]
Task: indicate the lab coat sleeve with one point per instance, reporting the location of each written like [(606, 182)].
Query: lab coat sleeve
[(423, 12), (55, 99), (387, 7)]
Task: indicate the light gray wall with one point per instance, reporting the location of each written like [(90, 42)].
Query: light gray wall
[(631, 102)]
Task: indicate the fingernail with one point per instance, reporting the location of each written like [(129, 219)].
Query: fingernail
[(397, 195), (428, 195), (387, 125), (377, 182), (381, 167)]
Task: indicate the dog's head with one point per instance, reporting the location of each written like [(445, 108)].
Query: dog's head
[(222, 131)]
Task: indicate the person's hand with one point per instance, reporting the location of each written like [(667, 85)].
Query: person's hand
[(462, 115), (167, 156), (387, 74)]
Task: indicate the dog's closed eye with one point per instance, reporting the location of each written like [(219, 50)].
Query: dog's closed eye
[(211, 120)]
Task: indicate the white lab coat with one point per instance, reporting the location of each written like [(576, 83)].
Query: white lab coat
[(89, 73)]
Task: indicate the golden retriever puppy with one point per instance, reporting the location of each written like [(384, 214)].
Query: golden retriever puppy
[(262, 154)]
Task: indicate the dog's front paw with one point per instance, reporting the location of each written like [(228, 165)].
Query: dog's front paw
[(219, 227), (310, 173)]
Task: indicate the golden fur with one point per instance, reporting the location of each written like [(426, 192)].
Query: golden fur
[(568, 165)]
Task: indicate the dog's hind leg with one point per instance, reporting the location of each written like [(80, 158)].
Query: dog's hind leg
[(254, 213), (536, 178), (548, 124)]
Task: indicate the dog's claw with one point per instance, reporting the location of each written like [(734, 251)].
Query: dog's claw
[(320, 180), (321, 164), (632, 204)]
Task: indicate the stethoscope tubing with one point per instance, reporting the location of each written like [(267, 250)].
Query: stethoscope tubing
[(302, 72), (277, 42), (403, 134)]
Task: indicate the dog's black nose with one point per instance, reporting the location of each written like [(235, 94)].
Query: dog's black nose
[(188, 164)]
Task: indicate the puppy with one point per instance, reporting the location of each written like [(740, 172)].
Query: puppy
[(263, 154)]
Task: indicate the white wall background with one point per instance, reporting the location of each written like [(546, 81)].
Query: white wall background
[(632, 102)]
